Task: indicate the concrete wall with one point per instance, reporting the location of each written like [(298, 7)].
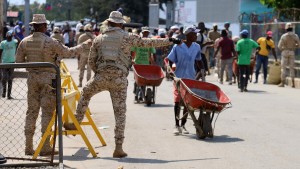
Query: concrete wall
[(218, 10)]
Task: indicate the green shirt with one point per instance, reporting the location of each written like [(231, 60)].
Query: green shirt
[(9, 51), (244, 47), (142, 55)]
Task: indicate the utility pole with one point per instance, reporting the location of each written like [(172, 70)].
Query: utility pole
[(5, 10), (27, 17), (170, 13), (153, 13), (1, 19)]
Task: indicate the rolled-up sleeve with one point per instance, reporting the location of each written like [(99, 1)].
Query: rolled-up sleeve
[(20, 55), (93, 55)]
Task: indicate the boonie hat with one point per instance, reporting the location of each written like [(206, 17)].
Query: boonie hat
[(88, 27), (116, 17), (190, 29), (56, 29), (288, 25), (38, 19)]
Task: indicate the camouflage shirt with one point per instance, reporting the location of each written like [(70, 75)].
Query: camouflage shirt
[(129, 41), (84, 37), (49, 49), (289, 41), (58, 37)]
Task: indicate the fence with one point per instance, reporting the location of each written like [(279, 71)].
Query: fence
[(259, 30), (12, 120)]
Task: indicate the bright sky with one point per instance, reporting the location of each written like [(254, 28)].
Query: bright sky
[(22, 2)]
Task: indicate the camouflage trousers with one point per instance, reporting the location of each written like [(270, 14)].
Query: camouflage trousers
[(114, 81), (287, 59), (40, 94), (82, 63)]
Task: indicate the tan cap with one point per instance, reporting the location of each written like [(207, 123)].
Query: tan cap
[(38, 19), (88, 27), (288, 25), (116, 17)]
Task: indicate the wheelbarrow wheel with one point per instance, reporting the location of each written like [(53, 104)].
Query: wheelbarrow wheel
[(148, 97), (200, 134)]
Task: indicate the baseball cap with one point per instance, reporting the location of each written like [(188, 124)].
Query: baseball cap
[(145, 29), (174, 27), (270, 33), (190, 29), (9, 33), (244, 32)]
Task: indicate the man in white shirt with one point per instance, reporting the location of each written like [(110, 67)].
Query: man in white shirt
[(80, 24)]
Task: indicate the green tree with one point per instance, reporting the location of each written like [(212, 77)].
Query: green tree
[(286, 9), (281, 4)]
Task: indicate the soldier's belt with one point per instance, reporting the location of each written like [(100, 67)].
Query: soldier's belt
[(49, 75), (110, 63)]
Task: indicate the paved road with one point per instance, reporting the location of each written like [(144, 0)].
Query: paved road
[(260, 131)]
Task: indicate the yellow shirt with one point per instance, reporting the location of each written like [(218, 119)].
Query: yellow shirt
[(263, 47)]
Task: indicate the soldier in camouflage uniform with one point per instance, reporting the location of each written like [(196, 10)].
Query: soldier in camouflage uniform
[(85, 54), (57, 35), (288, 43), (38, 47), (110, 60), (77, 35)]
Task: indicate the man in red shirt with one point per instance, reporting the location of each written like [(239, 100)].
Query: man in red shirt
[(227, 53)]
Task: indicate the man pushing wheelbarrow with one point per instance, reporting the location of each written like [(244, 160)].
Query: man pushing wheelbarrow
[(191, 93), (186, 56)]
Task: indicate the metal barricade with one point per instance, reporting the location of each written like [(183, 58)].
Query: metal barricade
[(12, 120)]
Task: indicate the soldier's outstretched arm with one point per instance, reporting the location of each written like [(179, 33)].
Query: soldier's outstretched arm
[(64, 51), (20, 55), (149, 42)]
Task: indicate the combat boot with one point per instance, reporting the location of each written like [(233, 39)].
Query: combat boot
[(47, 149), (281, 84), (293, 83), (70, 126), (119, 153)]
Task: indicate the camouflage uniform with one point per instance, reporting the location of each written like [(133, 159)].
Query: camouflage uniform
[(40, 48), (58, 37), (109, 59), (77, 35), (287, 44), (84, 57)]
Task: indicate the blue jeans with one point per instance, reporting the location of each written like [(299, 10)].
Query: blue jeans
[(261, 60)]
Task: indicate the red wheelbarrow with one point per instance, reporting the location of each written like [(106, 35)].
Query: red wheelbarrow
[(204, 97), (147, 78)]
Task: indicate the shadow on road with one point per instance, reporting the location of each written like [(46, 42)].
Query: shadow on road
[(159, 105), (81, 155), (256, 91), (152, 161), (216, 139)]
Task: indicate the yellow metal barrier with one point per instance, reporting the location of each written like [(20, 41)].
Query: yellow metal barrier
[(70, 96)]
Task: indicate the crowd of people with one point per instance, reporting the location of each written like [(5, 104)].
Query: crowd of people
[(194, 50)]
